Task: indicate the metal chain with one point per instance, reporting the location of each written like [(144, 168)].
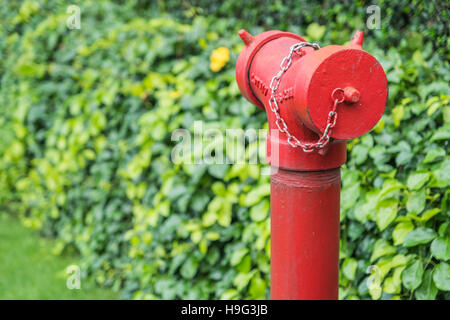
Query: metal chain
[(281, 124)]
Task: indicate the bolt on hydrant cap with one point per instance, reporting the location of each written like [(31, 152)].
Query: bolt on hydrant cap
[(351, 95)]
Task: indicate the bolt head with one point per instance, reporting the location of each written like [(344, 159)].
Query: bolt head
[(351, 95)]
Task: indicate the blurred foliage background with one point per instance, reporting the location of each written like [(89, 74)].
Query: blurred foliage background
[(86, 118)]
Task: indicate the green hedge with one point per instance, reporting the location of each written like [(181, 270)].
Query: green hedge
[(86, 119)]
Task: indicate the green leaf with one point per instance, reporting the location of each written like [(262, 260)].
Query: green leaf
[(400, 231), (441, 276), (365, 208), (381, 248), (350, 195), (224, 216), (389, 186), (241, 280), (399, 260), (412, 276), (417, 180), (349, 268), (444, 229), (427, 215), (209, 218), (219, 188), (442, 174), (259, 212), (443, 133), (386, 213), (315, 31), (427, 290), (230, 294), (257, 288), (397, 114), (245, 265), (189, 268), (360, 153), (416, 201), (393, 285), (373, 282), (256, 194), (440, 248), (403, 157), (237, 256), (218, 170), (418, 59), (434, 154), (375, 291), (418, 236)]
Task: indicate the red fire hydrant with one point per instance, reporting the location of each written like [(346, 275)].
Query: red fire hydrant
[(315, 99)]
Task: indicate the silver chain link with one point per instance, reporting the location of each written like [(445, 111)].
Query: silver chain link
[(281, 124)]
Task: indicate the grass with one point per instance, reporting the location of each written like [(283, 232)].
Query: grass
[(29, 270)]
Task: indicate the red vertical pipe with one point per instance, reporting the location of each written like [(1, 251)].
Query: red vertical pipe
[(305, 234)]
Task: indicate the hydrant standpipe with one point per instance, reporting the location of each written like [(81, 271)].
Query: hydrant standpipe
[(315, 99)]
